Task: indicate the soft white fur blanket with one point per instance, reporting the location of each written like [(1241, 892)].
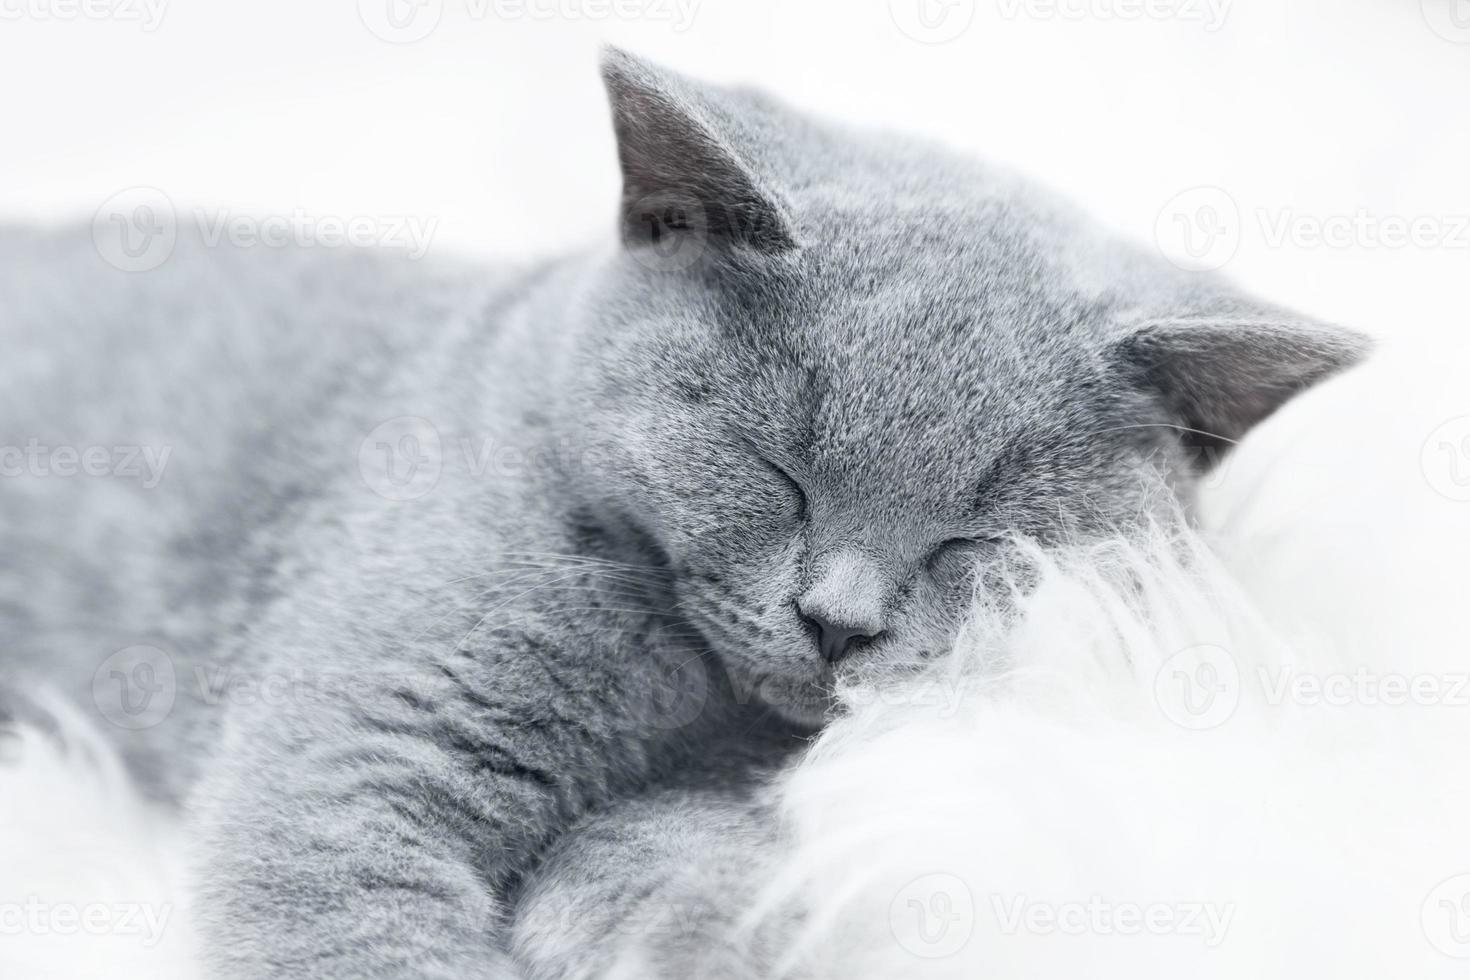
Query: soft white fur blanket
[(1243, 755)]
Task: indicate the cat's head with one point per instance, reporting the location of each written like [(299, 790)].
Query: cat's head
[(828, 373)]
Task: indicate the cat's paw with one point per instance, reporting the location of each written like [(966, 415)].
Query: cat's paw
[(659, 889)]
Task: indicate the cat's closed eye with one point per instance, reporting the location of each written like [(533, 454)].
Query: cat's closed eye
[(796, 494), (954, 554)]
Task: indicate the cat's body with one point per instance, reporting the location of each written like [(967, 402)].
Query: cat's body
[(241, 375), (262, 496), (656, 501)]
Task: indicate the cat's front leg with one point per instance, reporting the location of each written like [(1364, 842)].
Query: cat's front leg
[(374, 835)]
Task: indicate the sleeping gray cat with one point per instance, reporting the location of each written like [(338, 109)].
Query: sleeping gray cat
[(634, 512)]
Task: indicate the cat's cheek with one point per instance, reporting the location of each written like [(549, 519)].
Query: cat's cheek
[(932, 615)]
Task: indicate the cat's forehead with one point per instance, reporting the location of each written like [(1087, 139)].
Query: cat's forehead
[(959, 311), (885, 399), (983, 226)]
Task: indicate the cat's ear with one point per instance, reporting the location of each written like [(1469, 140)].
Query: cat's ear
[(682, 177), (1221, 375)]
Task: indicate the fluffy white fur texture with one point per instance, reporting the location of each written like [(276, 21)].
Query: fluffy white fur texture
[(90, 882), (1140, 779), (1089, 811)]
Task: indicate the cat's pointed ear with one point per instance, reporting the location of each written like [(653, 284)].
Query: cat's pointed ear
[(1220, 375), (682, 177)]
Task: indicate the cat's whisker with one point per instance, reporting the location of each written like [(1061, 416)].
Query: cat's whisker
[(697, 655), (1171, 425), (633, 611), (631, 594), (481, 595), (611, 572), (514, 598), (505, 569), (520, 573), (586, 559)]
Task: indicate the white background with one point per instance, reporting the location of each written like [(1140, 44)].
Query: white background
[(492, 126)]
